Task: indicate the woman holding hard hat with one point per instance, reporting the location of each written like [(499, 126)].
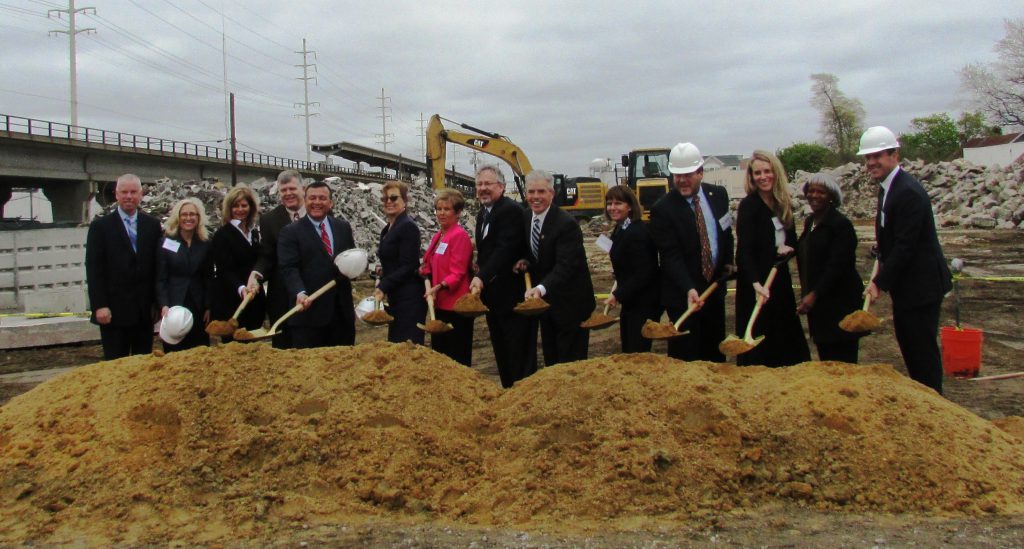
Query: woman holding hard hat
[(185, 274)]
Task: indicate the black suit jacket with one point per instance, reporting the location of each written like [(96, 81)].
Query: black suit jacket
[(674, 228), (912, 267), (118, 277), (185, 276), (234, 258), (498, 252), (635, 264), (827, 259), (271, 224), (561, 268), (399, 255), (305, 266)]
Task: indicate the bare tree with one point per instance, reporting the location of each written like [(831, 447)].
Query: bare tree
[(998, 88), (842, 118)]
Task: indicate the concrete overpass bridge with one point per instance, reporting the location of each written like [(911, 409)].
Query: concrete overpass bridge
[(73, 164)]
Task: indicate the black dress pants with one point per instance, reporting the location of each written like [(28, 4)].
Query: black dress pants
[(514, 340), (122, 341), (917, 332), (456, 343), (707, 330)]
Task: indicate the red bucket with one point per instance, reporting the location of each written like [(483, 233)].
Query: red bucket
[(961, 351)]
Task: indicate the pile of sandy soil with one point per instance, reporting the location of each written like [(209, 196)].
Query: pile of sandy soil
[(242, 442)]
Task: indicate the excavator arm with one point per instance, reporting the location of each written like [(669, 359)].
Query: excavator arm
[(486, 142)]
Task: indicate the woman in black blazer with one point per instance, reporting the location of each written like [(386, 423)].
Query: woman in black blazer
[(635, 265), (185, 270), (398, 273), (765, 233), (829, 282), (236, 246)]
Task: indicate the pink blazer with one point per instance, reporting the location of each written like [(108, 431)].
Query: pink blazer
[(449, 260)]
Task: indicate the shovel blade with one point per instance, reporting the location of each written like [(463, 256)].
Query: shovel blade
[(598, 321), (245, 336)]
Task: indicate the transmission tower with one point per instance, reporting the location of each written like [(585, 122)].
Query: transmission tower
[(384, 116), (72, 32), (306, 104), (423, 138)]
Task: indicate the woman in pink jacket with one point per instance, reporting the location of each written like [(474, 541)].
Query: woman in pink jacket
[(447, 263)]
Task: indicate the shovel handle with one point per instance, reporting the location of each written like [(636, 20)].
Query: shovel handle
[(529, 283), (693, 307), (430, 299), (323, 289), (758, 304), (612, 291), (245, 301), (874, 273)]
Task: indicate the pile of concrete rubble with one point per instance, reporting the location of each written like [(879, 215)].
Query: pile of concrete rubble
[(962, 194), (359, 203)]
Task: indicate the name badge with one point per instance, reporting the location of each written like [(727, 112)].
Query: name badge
[(725, 222), (441, 248), (604, 243), (171, 245)]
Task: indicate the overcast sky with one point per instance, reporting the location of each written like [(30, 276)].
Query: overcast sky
[(566, 81)]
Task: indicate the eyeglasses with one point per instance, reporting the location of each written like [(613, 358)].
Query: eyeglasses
[(390, 198)]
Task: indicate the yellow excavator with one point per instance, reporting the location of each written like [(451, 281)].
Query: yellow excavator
[(579, 196), (647, 174)]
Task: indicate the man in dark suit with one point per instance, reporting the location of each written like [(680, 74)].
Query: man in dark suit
[(696, 248), (291, 209), (499, 244), (557, 263), (120, 267), (912, 267), (306, 251)]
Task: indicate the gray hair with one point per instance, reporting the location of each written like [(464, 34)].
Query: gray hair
[(129, 178), (491, 168), (288, 175), (541, 175), (830, 184)]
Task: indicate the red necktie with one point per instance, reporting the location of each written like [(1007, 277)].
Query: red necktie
[(326, 239)]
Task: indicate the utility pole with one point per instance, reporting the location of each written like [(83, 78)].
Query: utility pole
[(228, 109), (72, 32), (423, 137), (305, 87), (234, 142), (384, 116)]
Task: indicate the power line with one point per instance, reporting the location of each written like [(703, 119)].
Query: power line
[(384, 116), (305, 87)]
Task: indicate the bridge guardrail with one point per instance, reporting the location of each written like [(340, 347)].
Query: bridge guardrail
[(85, 136)]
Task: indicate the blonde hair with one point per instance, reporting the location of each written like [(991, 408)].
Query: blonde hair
[(175, 217), (240, 191), (780, 189)]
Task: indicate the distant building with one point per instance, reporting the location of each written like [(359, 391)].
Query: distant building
[(727, 170), (1001, 150)]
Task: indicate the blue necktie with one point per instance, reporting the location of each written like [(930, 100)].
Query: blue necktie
[(132, 235), (535, 238)]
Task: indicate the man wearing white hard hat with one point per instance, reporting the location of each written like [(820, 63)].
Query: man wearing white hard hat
[(306, 251), (692, 227), (912, 267)]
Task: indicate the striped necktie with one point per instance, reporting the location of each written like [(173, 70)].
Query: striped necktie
[(706, 267), (132, 233), (326, 239), (535, 238)]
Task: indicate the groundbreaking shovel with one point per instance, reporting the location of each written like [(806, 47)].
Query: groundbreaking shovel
[(470, 305), (861, 320), (533, 306), (243, 335), (733, 345), (377, 317), (600, 320), (433, 326), (668, 330), (228, 327)]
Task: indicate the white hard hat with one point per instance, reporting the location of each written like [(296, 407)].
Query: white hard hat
[(685, 158), (365, 307), (877, 138), (351, 262), (176, 325)]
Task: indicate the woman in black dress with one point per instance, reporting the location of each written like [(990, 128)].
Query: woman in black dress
[(766, 233), (399, 255), (829, 281), (635, 265), (185, 270), (236, 245)]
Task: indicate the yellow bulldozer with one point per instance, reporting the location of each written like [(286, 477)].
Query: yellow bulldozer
[(647, 174), (579, 196)]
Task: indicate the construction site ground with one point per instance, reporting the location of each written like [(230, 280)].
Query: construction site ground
[(993, 306)]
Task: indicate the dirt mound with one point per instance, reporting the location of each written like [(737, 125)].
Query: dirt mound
[(240, 442)]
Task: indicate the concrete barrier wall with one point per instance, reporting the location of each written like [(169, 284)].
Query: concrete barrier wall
[(43, 271)]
